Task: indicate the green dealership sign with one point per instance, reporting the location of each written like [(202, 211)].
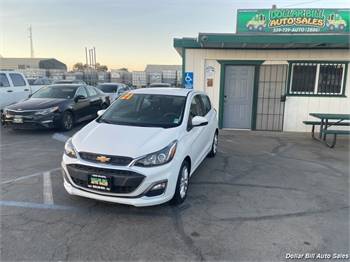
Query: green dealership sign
[(293, 21)]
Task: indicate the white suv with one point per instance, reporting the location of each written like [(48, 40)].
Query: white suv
[(14, 87), (143, 149)]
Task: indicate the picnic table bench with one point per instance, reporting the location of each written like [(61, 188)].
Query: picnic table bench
[(326, 121)]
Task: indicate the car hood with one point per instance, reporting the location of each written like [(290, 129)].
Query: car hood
[(119, 140), (36, 103)]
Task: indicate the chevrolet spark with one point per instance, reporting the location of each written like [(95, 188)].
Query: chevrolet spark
[(143, 149)]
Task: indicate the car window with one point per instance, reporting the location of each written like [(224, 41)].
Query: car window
[(17, 80), (92, 91), (56, 91), (4, 82), (108, 88), (196, 107), (149, 110), (121, 90), (206, 104), (81, 92)]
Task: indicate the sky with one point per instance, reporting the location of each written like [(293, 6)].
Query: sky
[(125, 33)]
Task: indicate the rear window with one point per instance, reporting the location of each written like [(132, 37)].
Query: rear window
[(108, 88), (17, 80), (4, 82)]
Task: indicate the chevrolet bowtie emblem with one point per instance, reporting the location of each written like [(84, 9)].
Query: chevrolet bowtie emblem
[(103, 159)]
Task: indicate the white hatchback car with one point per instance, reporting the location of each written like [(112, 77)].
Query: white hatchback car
[(143, 149)]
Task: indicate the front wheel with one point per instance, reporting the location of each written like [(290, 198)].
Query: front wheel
[(67, 121), (214, 146), (182, 184)]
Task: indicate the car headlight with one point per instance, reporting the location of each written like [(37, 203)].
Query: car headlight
[(158, 158), (47, 111), (69, 149)]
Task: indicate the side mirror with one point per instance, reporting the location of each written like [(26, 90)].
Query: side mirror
[(79, 97), (100, 112), (199, 121)]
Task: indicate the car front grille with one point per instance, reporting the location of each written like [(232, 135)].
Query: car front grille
[(123, 181), (20, 113), (114, 160)]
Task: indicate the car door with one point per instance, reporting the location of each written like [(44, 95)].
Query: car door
[(6, 91), (82, 106), (95, 101), (21, 89), (197, 135), (209, 114)]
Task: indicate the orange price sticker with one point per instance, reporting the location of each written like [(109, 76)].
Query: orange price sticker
[(127, 96)]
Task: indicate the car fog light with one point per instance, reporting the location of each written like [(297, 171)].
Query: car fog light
[(159, 186), (157, 189)]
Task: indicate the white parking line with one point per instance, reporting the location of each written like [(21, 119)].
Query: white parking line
[(47, 189), (28, 176), (60, 137)]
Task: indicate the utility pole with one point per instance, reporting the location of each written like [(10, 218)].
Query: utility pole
[(31, 42)]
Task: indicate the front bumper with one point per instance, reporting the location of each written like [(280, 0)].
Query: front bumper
[(31, 121), (137, 197)]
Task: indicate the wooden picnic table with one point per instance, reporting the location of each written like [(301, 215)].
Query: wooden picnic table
[(337, 120)]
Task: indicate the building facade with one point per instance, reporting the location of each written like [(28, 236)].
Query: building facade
[(269, 82)]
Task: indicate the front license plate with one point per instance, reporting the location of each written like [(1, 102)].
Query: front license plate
[(99, 182), (18, 120)]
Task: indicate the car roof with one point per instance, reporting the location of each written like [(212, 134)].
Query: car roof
[(163, 91), (69, 85), (112, 83)]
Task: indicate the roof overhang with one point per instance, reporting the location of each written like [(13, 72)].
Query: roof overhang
[(266, 41)]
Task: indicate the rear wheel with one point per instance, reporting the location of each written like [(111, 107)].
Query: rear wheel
[(214, 146), (182, 184), (67, 121)]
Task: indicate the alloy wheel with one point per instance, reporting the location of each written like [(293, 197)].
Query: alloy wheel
[(215, 143), (184, 182)]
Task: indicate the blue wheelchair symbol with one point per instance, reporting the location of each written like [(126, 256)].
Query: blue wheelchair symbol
[(188, 80)]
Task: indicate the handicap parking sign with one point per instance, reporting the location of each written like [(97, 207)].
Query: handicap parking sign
[(188, 80)]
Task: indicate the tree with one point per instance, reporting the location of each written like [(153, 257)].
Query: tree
[(100, 67), (79, 67)]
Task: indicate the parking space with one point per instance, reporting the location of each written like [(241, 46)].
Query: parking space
[(264, 195)]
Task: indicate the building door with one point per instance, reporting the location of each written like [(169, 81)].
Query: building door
[(272, 86), (238, 97)]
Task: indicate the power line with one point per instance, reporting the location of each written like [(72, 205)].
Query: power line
[(302, 3)]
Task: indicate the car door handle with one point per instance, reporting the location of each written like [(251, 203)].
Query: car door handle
[(26, 89), (9, 91)]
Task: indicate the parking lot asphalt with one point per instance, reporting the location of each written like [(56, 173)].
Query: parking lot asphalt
[(264, 195)]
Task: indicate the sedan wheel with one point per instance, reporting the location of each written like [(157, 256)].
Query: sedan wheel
[(182, 185)]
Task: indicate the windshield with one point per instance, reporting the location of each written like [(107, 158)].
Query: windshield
[(146, 110), (108, 88), (64, 92)]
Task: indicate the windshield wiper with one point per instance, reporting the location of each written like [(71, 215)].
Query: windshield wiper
[(104, 121)]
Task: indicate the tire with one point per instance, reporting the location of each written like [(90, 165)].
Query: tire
[(67, 121), (250, 28), (181, 185), (214, 146), (260, 28), (341, 27), (331, 27)]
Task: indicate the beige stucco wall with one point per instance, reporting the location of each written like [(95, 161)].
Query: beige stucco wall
[(297, 109)]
